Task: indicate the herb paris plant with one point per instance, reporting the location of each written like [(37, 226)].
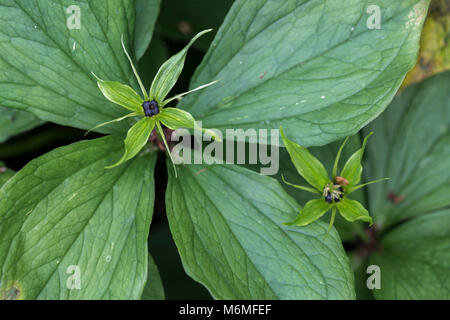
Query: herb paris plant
[(152, 105), (64, 208), (334, 191)]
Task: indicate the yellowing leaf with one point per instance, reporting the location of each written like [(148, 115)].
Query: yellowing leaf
[(434, 55)]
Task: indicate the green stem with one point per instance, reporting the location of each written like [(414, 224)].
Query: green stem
[(333, 215), (163, 137)]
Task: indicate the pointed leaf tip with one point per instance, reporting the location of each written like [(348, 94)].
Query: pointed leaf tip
[(178, 96), (312, 190), (133, 114), (338, 156)]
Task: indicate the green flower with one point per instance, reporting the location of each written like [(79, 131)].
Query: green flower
[(152, 105), (333, 192)]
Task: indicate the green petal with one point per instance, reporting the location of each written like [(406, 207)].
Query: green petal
[(308, 166), (169, 72), (120, 94), (353, 169), (133, 114), (178, 96), (352, 210), (136, 139), (312, 211), (174, 119)]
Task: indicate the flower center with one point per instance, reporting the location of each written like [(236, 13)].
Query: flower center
[(150, 108), (333, 192)]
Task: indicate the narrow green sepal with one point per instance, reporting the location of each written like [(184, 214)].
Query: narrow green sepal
[(133, 114), (312, 190), (179, 96), (366, 184)]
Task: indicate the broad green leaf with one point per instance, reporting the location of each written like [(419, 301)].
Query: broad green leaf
[(154, 289), (312, 211), (136, 74), (352, 210), (13, 122), (174, 118), (5, 174), (180, 22), (146, 15), (120, 94), (63, 210), (169, 72), (177, 284), (353, 168), (48, 66), (227, 223), (411, 145), (308, 166), (415, 261), (137, 138), (311, 66)]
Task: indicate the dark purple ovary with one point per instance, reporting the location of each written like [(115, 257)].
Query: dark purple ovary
[(150, 108)]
